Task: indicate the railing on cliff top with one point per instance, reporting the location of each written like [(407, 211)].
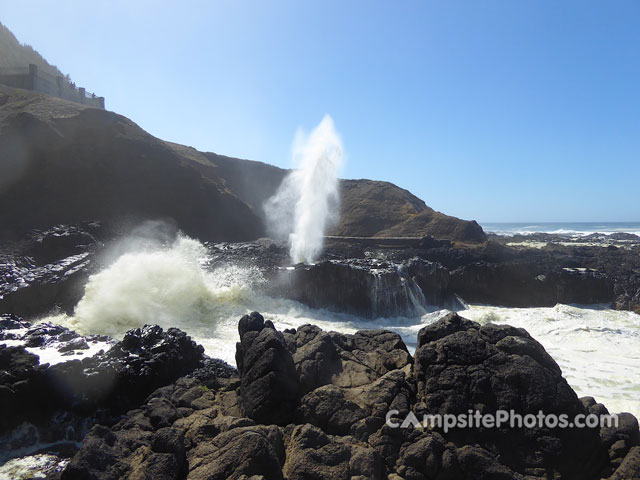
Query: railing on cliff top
[(30, 78)]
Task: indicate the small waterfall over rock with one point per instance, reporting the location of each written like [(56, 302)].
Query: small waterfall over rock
[(367, 287), (394, 293)]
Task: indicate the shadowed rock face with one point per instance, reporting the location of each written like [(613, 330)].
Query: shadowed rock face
[(338, 390), (523, 285), (361, 287), (64, 163), (47, 269)]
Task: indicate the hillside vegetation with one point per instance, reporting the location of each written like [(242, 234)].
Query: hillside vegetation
[(62, 162), (15, 54)]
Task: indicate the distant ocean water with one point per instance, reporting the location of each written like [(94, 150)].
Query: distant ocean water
[(568, 228)]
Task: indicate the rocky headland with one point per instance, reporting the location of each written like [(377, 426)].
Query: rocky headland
[(65, 163)]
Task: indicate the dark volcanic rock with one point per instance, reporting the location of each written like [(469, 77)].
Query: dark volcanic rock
[(47, 269), (145, 359), (461, 366), (348, 383), (365, 287), (270, 389), (49, 404), (529, 284)]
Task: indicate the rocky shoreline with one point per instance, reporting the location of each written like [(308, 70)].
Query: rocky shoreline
[(307, 403), (302, 404), (48, 269)]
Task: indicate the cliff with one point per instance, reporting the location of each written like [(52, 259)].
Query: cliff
[(65, 163), (368, 208)]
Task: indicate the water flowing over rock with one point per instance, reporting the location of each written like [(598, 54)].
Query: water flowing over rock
[(369, 289)]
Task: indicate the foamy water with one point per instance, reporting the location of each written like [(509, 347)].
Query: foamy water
[(176, 287), (596, 347), (570, 229)]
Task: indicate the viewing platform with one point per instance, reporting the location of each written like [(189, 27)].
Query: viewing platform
[(30, 78)]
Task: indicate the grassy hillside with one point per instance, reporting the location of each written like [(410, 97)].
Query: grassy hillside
[(62, 162), (15, 54)]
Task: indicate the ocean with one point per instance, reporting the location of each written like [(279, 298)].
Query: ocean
[(176, 286), (567, 228)]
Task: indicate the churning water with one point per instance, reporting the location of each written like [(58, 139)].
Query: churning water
[(175, 286)]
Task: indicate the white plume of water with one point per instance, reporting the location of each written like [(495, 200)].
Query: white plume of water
[(307, 200)]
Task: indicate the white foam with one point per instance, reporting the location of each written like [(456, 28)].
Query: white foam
[(33, 466), (170, 286), (50, 354), (595, 347)]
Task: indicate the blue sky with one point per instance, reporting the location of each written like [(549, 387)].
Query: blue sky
[(489, 110)]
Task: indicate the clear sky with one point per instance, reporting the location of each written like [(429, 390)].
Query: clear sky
[(489, 110)]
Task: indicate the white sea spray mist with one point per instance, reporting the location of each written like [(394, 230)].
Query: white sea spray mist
[(307, 200)]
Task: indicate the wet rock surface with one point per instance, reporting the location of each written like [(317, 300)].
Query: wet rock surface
[(57, 403), (364, 287), (339, 389), (440, 273), (46, 271)]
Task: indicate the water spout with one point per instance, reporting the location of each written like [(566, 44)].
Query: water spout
[(307, 200)]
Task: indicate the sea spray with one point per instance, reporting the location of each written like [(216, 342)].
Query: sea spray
[(174, 285), (162, 284), (307, 200)]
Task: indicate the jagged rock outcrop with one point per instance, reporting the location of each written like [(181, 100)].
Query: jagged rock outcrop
[(269, 389), (462, 366), (47, 269), (345, 386)]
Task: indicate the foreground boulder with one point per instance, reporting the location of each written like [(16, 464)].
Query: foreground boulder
[(269, 389), (461, 366), (338, 390)]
